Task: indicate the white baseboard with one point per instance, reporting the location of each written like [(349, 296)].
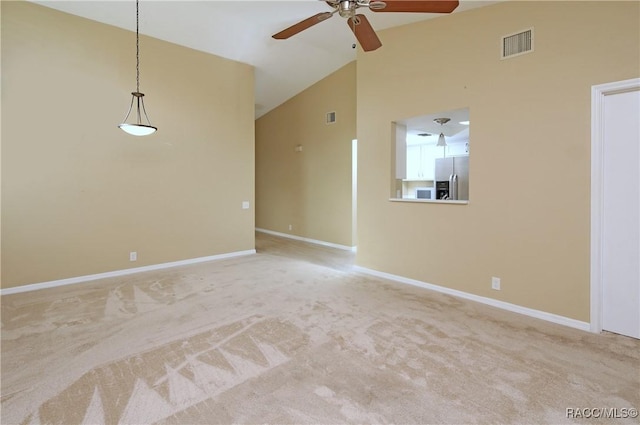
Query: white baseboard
[(81, 279), (538, 314), (314, 241)]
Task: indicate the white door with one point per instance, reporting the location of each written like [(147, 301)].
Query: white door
[(621, 213)]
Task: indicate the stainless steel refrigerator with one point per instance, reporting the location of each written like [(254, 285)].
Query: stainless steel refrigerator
[(452, 178)]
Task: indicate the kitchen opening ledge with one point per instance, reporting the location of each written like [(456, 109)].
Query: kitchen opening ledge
[(429, 201)]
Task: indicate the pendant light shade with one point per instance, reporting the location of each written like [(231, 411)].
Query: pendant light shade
[(139, 127), (441, 139)]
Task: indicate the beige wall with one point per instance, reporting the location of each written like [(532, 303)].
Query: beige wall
[(528, 218), (310, 190), (78, 194)]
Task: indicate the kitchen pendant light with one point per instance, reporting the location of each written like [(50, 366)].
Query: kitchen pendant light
[(441, 139), (139, 128)]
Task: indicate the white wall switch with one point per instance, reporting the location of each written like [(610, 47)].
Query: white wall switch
[(133, 256), (245, 205)]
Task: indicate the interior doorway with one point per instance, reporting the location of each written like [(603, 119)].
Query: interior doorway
[(354, 193), (615, 208)]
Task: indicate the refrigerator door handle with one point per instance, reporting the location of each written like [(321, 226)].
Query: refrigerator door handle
[(453, 186)]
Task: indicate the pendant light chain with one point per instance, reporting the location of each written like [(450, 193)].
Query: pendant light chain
[(137, 50)]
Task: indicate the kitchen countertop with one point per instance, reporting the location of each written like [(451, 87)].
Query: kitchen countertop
[(429, 201)]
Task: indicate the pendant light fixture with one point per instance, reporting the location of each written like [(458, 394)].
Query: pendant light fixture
[(139, 128), (441, 139)]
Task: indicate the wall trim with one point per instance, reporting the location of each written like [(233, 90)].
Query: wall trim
[(538, 314), (314, 241), (598, 94), (88, 278)]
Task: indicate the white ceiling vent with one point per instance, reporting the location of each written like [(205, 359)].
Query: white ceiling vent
[(517, 44)]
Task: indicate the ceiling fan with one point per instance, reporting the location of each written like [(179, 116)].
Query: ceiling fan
[(359, 23)]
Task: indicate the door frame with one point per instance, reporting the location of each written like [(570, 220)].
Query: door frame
[(598, 94)]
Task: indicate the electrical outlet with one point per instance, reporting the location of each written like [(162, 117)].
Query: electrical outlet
[(495, 283), (133, 256), (291, 227)]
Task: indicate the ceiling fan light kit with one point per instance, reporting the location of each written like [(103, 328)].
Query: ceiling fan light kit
[(359, 24), (138, 128)]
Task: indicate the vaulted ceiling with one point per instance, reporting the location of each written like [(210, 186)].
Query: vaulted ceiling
[(241, 30)]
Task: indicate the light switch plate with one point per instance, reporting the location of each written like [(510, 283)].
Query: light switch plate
[(245, 205)]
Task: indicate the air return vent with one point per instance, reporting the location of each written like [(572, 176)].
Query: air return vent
[(331, 117), (517, 44)]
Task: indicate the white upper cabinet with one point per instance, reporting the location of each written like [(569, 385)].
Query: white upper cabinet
[(420, 162), (457, 149)]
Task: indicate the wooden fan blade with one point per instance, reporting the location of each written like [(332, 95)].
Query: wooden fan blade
[(364, 33), (302, 25), (420, 6)]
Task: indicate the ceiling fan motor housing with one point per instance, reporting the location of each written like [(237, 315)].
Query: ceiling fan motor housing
[(347, 8)]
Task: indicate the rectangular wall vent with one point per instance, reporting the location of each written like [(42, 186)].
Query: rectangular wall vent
[(517, 44), (331, 117)]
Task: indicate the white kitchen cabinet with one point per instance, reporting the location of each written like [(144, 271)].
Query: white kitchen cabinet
[(420, 162), (458, 149), (452, 149)]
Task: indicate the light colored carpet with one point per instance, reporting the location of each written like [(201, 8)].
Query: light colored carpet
[(292, 335)]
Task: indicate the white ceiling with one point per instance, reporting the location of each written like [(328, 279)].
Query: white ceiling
[(425, 124), (241, 30)]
